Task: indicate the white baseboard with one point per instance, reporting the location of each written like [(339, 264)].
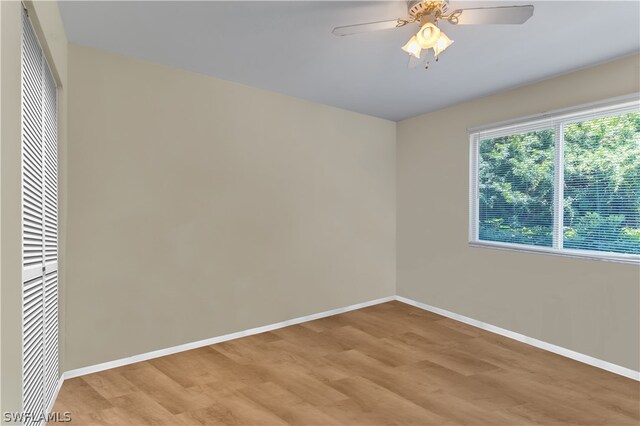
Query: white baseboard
[(211, 341), (605, 365)]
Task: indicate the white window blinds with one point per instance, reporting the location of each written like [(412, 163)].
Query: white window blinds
[(566, 183), (39, 229), (602, 184)]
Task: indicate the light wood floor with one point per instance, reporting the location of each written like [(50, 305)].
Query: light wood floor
[(386, 364)]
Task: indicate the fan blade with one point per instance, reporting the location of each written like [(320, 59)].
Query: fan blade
[(492, 15), (367, 27)]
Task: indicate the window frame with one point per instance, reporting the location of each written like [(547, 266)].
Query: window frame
[(555, 120)]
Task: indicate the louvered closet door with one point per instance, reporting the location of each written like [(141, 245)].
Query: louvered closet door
[(32, 224), (50, 215), (39, 228)]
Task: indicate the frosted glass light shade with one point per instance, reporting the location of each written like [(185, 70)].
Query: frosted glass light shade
[(428, 35), (412, 47), (442, 44)]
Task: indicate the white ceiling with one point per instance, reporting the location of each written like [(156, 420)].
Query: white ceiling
[(288, 47)]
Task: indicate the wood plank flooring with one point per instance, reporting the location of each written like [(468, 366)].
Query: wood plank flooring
[(386, 364)]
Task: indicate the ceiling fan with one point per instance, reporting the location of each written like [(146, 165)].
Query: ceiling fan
[(427, 13)]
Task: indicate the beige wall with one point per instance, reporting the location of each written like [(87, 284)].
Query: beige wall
[(585, 305), (10, 222), (202, 207), (48, 25)]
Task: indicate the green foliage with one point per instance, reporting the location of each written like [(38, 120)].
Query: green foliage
[(516, 188), (601, 186), (631, 234), (591, 227), (494, 230), (602, 183)]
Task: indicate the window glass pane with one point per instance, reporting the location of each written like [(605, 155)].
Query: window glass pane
[(515, 185), (602, 184)]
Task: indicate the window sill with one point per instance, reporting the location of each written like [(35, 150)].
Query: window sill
[(578, 254)]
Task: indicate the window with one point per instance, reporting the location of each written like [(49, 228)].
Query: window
[(566, 182)]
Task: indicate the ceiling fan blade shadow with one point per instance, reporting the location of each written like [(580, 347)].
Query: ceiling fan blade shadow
[(365, 28), (500, 15)]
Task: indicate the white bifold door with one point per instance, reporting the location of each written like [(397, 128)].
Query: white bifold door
[(39, 230)]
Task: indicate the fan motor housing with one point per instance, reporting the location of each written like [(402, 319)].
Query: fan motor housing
[(427, 8)]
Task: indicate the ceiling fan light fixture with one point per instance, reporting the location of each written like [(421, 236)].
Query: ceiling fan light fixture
[(413, 47), (428, 35), (442, 44), (427, 13)]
